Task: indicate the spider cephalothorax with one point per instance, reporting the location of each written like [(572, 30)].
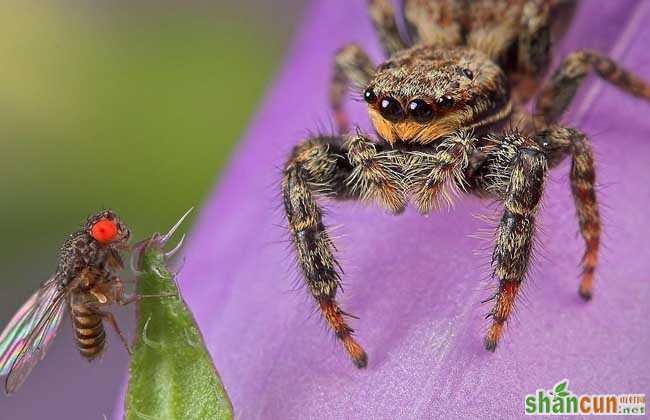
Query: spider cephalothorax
[(424, 93), (440, 109)]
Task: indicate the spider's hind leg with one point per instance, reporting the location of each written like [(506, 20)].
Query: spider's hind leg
[(351, 67), (383, 19), (434, 22), (557, 95), (558, 141), (518, 171)]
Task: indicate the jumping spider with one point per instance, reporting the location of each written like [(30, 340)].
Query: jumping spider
[(441, 109)]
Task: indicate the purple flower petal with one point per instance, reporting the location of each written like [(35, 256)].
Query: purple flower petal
[(415, 282)]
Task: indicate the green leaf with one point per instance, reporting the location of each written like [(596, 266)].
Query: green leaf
[(171, 374), (560, 388)]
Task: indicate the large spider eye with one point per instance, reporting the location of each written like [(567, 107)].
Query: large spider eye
[(468, 73), (369, 96), (420, 111), (391, 109), (446, 101)]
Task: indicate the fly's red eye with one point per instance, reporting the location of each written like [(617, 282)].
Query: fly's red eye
[(104, 231)]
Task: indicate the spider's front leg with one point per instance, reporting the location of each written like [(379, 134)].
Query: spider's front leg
[(322, 167), (351, 67), (518, 171)]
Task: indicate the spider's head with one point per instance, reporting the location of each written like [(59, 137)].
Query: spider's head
[(423, 94), (107, 229)]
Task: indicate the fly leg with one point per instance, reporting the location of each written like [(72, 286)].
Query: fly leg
[(123, 299), (110, 318)]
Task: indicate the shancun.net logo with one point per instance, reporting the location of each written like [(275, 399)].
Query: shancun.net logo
[(561, 401)]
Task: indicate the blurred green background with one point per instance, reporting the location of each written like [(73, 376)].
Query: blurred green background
[(129, 105)]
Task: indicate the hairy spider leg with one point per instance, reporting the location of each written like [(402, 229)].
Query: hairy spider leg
[(558, 93), (352, 68), (382, 15), (321, 167), (518, 172), (558, 142), (433, 22)]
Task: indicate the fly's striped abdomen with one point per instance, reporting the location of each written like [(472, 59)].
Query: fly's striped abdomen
[(88, 331)]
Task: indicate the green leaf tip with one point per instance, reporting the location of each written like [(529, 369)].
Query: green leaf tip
[(171, 374)]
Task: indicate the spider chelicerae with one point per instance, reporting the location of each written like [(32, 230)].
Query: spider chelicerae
[(443, 108)]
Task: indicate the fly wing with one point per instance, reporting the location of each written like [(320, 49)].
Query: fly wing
[(21, 325), (25, 340)]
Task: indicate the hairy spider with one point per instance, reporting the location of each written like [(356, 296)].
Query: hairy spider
[(441, 108)]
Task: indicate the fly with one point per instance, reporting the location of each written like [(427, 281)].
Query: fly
[(85, 281)]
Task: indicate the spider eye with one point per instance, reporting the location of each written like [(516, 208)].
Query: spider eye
[(104, 231), (391, 109), (369, 96), (446, 101), (468, 73), (420, 111)]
